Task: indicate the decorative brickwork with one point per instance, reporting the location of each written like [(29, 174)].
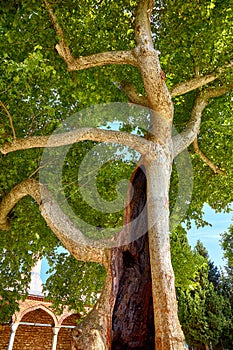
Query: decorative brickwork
[(31, 337), (5, 331), (36, 327), (65, 334)]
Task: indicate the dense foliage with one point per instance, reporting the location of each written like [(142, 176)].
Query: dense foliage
[(37, 93)]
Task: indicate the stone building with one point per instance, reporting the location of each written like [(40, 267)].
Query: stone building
[(35, 326)]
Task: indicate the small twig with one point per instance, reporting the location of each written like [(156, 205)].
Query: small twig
[(10, 119), (54, 20), (197, 71), (37, 170), (206, 160), (62, 46), (8, 88)]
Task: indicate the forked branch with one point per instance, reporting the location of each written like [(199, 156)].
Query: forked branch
[(99, 59), (80, 246), (206, 160), (186, 137)]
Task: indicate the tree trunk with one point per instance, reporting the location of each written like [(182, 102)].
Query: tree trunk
[(123, 317), (133, 321), (169, 335), (94, 333)]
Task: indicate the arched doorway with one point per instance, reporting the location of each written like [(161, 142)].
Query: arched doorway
[(65, 333), (35, 331)]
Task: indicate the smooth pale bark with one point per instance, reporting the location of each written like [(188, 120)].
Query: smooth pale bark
[(168, 333), (78, 245), (68, 138), (94, 333), (158, 163), (188, 135)]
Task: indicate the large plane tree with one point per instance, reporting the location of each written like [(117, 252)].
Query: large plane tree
[(59, 57)]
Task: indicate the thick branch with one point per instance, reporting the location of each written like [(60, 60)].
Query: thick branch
[(186, 137), (197, 82), (133, 95), (206, 160), (159, 98), (193, 84), (99, 59), (80, 246), (216, 92), (136, 142), (142, 22), (96, 60), (10, 118), (18, 192)]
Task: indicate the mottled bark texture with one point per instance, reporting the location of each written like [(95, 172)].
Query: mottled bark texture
[(95, 333), (132, 319)]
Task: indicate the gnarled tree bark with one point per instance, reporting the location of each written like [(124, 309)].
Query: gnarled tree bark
[(123, 316)]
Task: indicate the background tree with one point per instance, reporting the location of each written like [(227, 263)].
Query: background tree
[(205, 306), (201, 307), (185, 261), (227, 288), (38, 90), (227, 245)]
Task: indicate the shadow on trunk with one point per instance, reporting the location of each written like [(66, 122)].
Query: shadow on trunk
[(123, 316), (132, 319)]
